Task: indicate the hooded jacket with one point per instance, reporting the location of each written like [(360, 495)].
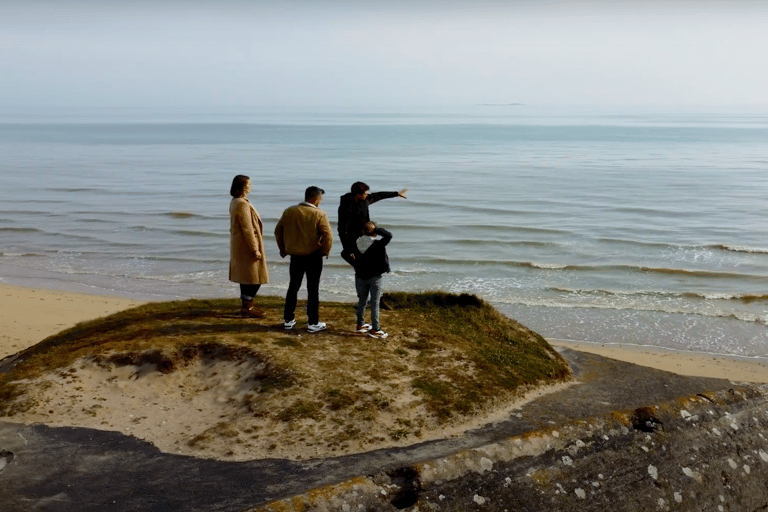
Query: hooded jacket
[(371, 258), (353, 215)]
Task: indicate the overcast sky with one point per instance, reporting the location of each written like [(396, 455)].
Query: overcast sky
[(372, 54)]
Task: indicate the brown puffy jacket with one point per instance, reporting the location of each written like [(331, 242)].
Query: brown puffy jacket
[(303, 229)]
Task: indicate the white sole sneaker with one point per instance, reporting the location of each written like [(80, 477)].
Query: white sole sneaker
[(364, 328), (320, 326), (377, 334), (290, 324)]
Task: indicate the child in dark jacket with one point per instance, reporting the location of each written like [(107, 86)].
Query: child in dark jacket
[(371, 263)]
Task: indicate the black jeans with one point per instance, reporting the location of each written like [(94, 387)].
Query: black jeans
[(348, 249), (249, 291), (312, 266)]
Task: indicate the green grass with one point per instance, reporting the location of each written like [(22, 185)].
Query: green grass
[(506, 355), (300, 409), (286, 341)]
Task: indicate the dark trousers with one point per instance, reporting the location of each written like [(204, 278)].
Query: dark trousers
[(312, 266), (348, 248), (347, 256), (249, 291)]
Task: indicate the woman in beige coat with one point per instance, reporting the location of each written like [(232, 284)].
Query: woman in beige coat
[(247, 263)]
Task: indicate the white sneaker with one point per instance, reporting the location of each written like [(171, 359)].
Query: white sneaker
[(364, 328), (377, 334), (319, 326), (289, 324)]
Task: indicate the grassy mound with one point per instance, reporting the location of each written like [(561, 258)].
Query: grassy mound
[(505, 356), (449, 358)]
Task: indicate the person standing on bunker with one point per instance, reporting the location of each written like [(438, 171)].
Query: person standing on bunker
[(353, 215), (247, 259), (371, 263), (304, 233)]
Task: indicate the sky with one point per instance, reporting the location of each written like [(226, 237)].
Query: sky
[(377, 54)]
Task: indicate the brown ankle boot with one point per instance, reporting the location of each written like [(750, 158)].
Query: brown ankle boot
[(248, 310)]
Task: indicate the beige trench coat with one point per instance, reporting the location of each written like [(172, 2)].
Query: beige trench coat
[(247, 259)]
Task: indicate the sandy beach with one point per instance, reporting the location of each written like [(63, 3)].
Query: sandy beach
[(29, 315), (736, 369)]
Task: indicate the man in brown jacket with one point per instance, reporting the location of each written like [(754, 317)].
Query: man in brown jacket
[(304, 233)]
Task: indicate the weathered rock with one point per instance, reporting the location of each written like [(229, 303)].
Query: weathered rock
[(712, 454)]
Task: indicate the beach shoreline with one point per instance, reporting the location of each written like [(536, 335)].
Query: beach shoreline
[(28, 315), (693, 364)]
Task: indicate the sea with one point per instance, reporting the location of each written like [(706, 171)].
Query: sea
[(633, 226)]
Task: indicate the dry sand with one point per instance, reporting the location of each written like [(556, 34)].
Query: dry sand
[(146, 404), (29, 315), (736, 369)]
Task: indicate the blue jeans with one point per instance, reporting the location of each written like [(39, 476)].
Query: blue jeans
[(373, 288)]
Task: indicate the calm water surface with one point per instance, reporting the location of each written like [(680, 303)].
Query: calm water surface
[(643, 228)]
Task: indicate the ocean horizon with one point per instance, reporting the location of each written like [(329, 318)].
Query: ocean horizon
[(617, 226)]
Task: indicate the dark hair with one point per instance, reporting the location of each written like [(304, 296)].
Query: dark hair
[(359, 187), (238, 185), (312, 192)]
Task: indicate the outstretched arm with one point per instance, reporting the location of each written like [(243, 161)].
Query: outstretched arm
[(378, 196)]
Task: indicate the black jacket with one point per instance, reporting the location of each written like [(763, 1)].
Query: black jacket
[(374, 261), (353, 215)]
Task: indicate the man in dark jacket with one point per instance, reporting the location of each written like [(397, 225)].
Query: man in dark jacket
[(353, 215)]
